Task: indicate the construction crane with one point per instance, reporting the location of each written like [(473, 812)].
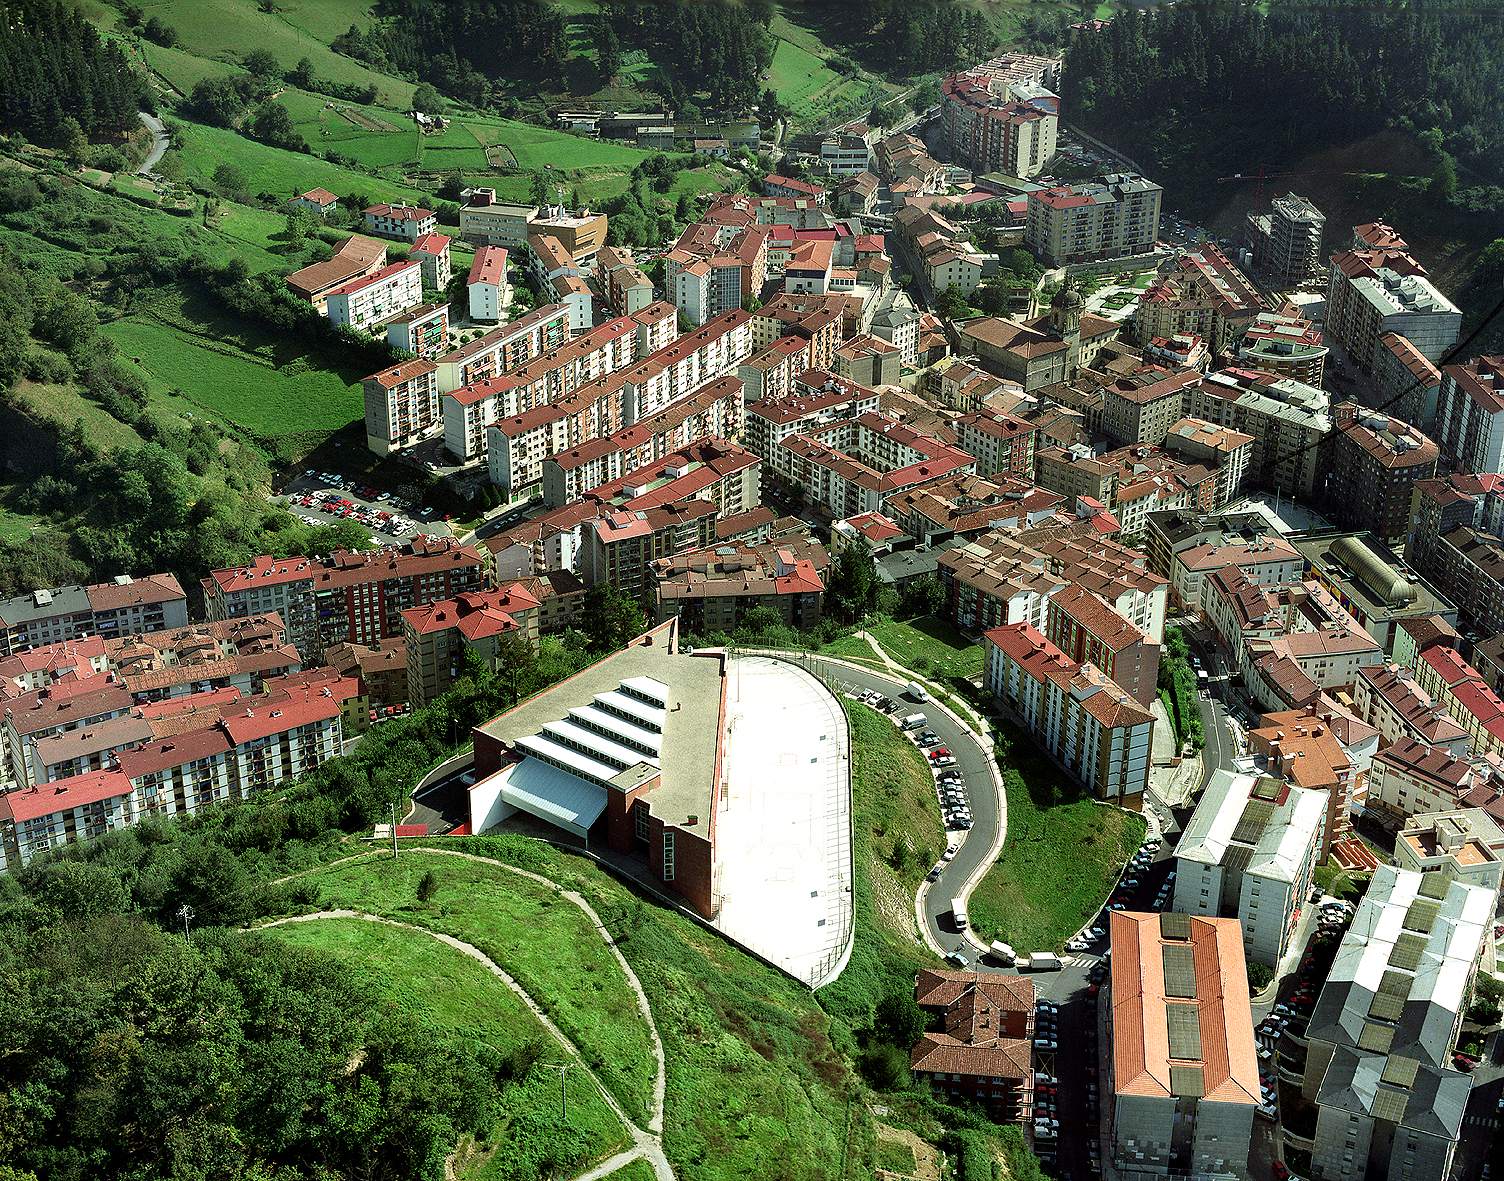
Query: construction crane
[(1264, 174)]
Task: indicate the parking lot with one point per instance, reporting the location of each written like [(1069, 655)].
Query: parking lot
[(326, 498)]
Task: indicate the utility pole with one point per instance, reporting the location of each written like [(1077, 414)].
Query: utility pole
[(563, 1100), (394, 832), (185, 912)]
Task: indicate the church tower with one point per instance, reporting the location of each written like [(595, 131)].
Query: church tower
[(1065, 319)]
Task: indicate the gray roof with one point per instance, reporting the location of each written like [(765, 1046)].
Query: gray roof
[(45, 604), (1433, 1103)]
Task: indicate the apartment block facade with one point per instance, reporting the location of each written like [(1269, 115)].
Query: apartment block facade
[(1115, 216), (366, 303), (403, 405), (126, 606)]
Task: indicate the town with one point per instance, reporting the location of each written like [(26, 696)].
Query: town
[(893, 647)]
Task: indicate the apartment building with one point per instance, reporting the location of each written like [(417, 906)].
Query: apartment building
[(770, 372), (1093, 728), (1422, 633), (1248, 854), (405, 223), (486, 283), (985, 125), (1169, 533), (853, 465), (1414, 778), (1388, 698), (356, 257), (431, 252), (581, 234), (1377, 291), (896, 320), (517, 446), (819, 319), (1287, 419), (1459, 846), (379, 672), (1441, 505), (1457, 687), (711, 590), (1375, 462), (1183, 1068), (1406, 381), (1114, 216), (367, 302), (1000, 443), (794, 189), (403, 405), (1286, 241), (538, 382), (1129, 483), (280, 736), (1041, 351), (1470, 415), (1249, 617), (1470, 566), (1380, 1038), (505, 347), (627, 289), (485, 221), (1088, 631), (714, 269), (354, 597), (1265, 561), (481, 622), (424, 331), (1226, 452), (968, 506), (817, 398), (1139, 410), (1284, 345), (125, 606), (715, 409), (986, 1052), (1201, 294)]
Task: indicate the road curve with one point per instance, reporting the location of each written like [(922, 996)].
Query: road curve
[(159, 142)]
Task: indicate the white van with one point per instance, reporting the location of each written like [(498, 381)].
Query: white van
[(916, 691), (1002, 953), (958, 913), (912, 722)]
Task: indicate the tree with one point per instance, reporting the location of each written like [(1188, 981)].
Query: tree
[(230, 179), (1259, 976), (302, 73), (539, 190), (262, 63), (428, 886), (751, 304), (758, 621), (426, 98), (852, 586), (273, 125), (1443, 186), (609, 618), (951, 303), (607, 48), (73, 141), (897, 1020), (163, 34), (926, 596)]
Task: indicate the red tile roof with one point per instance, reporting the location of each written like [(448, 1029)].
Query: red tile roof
[(36, 802)]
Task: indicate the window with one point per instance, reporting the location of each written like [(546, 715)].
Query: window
[(640, 821), (668, 855)]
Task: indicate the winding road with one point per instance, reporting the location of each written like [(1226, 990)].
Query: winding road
[(159, 143), (646, 1142)]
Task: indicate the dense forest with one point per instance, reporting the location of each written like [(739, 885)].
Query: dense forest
[(1193, 93), (898, 37), (720, 49), (58, 78)]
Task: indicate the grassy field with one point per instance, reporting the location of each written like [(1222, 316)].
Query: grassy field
[(547, 945), (267, 385), (65, 403), (273, 170), (799, 76), (441, 986), (930, 645), (895, 804), (755, 1086), (226, 29), (1062, 855)]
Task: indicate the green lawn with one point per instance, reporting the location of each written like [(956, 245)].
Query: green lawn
[(226, 29), (267, 385), (269, 169), (443, 987), (755, 1086), (931, 646), (895, 803), (1063, 853), (182, 68), (546, 944), (798, 76), (66, 404)]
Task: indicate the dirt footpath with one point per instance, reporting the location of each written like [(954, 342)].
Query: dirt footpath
[(926, 1155)]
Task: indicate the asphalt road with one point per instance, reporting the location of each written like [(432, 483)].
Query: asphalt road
[(971, 761), (159, 142)]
